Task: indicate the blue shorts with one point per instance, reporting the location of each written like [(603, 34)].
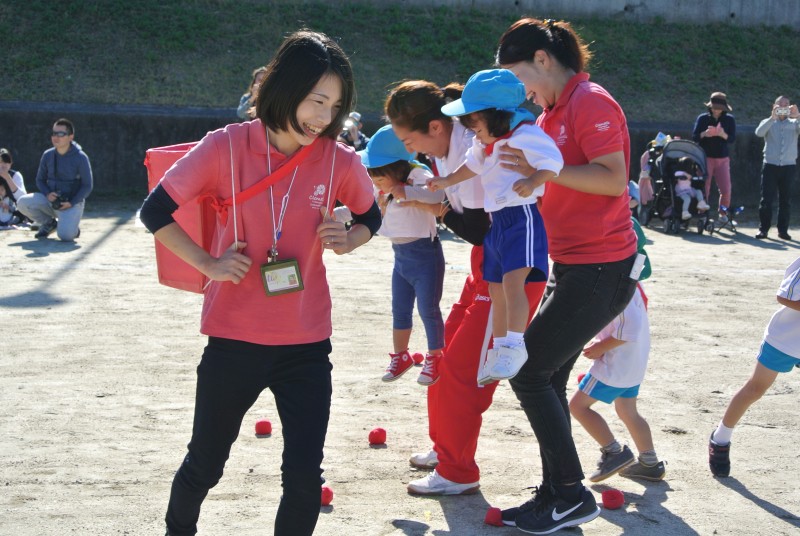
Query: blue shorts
[(596, 389), (774, 359), (516, 239)]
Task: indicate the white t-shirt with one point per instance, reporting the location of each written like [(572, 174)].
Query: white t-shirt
[(540, 151), (783, 330), (404, 222), (625, 365), (7, 213), (468, 194)]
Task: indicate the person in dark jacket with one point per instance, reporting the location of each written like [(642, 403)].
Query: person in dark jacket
[(64, 181), (715, 131)]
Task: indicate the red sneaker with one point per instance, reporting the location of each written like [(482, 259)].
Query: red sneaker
[(398, 366), (430, 370)]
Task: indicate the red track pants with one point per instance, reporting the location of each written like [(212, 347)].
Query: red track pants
[(456, 402)]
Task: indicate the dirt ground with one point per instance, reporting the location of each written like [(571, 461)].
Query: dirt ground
[(97, 374)]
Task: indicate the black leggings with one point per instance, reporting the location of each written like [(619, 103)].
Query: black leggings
[(230, 377), (579, 301)]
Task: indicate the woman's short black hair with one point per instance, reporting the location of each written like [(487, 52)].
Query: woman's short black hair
[(498, 122), (301, 61)]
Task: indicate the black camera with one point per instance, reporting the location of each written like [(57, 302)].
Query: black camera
[(60, 198)]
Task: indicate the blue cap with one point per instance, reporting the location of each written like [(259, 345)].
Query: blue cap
[(383, 148), (494, 88)]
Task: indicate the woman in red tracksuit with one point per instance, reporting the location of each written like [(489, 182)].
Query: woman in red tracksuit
[(456, 402)]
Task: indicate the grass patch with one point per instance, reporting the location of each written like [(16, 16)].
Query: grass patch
[(201, 53)]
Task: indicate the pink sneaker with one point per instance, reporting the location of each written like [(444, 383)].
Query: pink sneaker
[(398, 366), (430, 370)]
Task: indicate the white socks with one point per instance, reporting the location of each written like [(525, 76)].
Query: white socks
[(514, 339), (722, 435)]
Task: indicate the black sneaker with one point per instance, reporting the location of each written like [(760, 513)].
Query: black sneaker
[(641, 470), (555, 513), (46, 229), (611, 463), (719, 458), (509, 515)]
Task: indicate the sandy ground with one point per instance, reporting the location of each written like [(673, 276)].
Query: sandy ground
[(97, 382)]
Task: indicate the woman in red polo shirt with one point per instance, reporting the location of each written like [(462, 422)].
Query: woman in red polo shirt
[(592, 245), (267, 310)]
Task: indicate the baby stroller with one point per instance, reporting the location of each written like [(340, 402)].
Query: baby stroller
[(666, 204)]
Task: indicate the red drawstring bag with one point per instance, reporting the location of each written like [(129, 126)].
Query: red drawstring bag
[(197, 219)]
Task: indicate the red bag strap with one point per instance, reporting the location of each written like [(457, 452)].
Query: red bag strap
[(221, 205)]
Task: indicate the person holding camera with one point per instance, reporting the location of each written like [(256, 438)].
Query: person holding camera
[(351, 132), (780, 132), (65, 181), (12, 188)]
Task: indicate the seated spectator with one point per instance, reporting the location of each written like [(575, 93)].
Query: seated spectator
[(12, 187), (65, 181)]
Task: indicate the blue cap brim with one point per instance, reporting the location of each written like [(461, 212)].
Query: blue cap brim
[(376, 161), (458, 107)]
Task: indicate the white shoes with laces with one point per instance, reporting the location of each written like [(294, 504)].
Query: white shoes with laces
[(424, 460), (507, 362), (436, 484)]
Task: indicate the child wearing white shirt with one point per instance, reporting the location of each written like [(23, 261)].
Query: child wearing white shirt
[(516, 242), (619, 356), (780, 352), (418, 272)]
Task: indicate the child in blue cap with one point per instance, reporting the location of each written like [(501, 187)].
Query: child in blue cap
[(418, 258), (516, 242)]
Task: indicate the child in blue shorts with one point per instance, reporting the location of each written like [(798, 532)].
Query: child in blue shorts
[(619, 356), (780, 352), (490, 106)]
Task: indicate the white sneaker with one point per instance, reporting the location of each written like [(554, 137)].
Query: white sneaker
[(508, 361), (723, 219), (484, 376), (702, 205), (436, 484), (424, 460), (686, 215)]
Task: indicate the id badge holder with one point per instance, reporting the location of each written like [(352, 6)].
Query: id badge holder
[(281, 277)]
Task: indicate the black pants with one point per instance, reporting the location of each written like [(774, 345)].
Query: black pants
[(579, 301), (776, 179), (230, 377)]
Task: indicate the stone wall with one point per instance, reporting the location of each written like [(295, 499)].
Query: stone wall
[(116, 138), (738, 12)]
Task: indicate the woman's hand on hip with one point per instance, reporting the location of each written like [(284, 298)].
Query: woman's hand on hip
[(230, 266)]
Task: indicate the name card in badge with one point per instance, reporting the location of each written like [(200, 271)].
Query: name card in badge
[(281, 277)]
